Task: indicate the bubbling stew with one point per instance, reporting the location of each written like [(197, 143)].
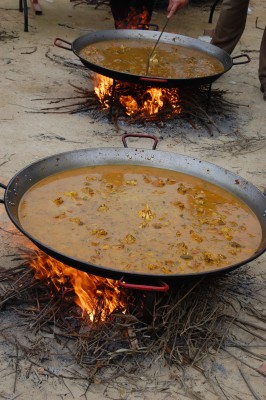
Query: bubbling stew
[(140, 219), (168, 61)]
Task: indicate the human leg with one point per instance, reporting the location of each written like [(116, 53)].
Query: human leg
[(231, 24), (119, 8), (262, 64)]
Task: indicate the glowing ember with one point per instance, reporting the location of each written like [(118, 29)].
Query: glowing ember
[(92, 292), (136, 100), (130, 104), (134, 19)]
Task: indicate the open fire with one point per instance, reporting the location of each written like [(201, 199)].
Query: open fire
[(134, 19), (127, 16), (136, 100), (97, 297)]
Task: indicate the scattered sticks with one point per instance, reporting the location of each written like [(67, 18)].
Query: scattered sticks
[(190, 323), (194, 105), (256, 397), (198, 104)]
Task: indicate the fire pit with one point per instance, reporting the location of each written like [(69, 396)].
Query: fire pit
[(137, 104), (107, 329), (138, 101)]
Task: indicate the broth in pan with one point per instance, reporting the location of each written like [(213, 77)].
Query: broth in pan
[(140, 219), (168, 61)]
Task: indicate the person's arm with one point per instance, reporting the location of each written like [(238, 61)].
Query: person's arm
[(175, 5)]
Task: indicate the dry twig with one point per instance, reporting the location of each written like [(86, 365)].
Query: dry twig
[(184, 326)]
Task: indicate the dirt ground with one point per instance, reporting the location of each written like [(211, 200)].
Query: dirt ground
[(30, 70)]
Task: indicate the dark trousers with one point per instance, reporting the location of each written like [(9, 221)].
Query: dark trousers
[(229, 28), (129, 13), (231, 24), (262, 62)]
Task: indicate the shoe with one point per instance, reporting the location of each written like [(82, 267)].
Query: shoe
[(263, 90)]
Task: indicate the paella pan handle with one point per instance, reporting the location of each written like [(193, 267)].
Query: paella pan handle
[(162, 288), (58, 44), (153, 80), (153, 137), (241, 62), (3, 187)]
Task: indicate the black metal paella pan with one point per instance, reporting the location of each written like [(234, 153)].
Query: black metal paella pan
[(36, 172), (123, 39)]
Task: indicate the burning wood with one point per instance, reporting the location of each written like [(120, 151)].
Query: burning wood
[(96, 297), (134, 19), (140, 104), (185, 324), (135, 101)]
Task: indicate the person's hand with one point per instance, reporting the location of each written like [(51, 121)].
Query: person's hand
[(175, 5)]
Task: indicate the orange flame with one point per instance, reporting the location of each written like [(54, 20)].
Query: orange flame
[(92, 292), (103, 89), (130, 104), (134, 19), (150, 102), (154, 102)]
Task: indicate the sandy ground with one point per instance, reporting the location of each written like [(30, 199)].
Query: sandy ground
[(239, 144)]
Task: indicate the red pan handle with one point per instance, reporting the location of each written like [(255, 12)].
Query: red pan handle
[(57, 44), (153, 80), (153, 137), (164, 287)]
